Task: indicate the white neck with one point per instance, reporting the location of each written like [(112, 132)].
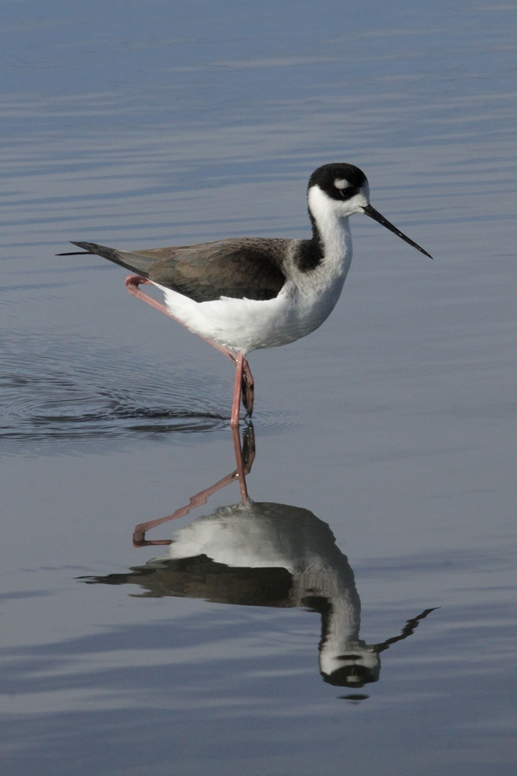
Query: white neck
[(342, 638), (333, 228)]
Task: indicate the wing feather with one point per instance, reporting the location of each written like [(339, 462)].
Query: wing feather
[(212, 270), (241, 268)]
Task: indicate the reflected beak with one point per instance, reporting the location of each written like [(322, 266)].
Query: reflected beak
[(370, 211)]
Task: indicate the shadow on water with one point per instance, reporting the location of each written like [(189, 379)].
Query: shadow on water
[(270, 555)]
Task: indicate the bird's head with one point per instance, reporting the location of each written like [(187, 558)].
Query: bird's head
[(340, 190)]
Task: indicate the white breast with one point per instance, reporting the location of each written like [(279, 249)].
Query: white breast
[(305, 301), (247, 324)]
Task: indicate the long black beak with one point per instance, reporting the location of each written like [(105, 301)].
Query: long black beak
[(370, 211)]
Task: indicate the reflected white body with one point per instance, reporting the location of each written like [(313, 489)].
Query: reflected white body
[(263, 535)]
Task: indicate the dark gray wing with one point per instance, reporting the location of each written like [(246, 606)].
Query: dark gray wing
[(239, 268), (135, 262)]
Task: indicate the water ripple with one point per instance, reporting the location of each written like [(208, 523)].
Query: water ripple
[(58, 395), (53, 397)]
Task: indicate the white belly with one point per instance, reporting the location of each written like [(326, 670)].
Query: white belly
[(247, 324)]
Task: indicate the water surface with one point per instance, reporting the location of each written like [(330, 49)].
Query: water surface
[(384, 479)]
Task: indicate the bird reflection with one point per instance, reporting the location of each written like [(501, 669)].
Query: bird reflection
[(265, 554)]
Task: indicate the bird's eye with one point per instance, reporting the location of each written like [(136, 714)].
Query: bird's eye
[(342, 186)]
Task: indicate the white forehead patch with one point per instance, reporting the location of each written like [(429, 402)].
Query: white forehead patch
[(341, 183)]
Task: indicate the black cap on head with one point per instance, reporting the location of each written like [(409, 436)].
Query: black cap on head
[(325, 177), (342, 181)]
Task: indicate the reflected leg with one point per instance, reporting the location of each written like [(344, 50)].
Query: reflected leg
[(244, 457)]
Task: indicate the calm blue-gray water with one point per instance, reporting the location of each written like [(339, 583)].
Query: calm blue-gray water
[(381, 537)]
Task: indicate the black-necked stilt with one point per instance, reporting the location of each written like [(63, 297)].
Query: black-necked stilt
[(246, 293)]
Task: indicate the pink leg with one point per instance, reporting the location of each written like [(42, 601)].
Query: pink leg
[(200, 498), (246, 382), (244, 463), (248, 388), (237, 391), (132, 284), (244, 456)]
